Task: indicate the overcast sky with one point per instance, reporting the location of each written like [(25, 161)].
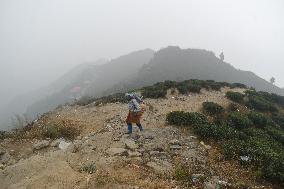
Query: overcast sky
[(42, 39)]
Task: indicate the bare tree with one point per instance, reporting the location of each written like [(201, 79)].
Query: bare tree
[(272, 80), (222, 56)]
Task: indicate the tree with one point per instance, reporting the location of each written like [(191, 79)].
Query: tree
[(222, 56), (272, 80)]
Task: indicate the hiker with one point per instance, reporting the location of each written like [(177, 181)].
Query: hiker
[(136, 109)]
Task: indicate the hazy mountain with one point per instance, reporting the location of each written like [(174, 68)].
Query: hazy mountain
[(133, 70), (173, 63), (93, 80)]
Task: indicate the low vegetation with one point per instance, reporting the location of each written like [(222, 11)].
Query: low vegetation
[(212, 108), (88, 168), (60, 130), (253, 138), (235, 96)]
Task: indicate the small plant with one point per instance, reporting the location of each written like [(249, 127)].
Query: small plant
[(235, 96), (239, 120), (182, 174), (258, 119), (88, 168), (181, 118), (212, 108), (58, 130)]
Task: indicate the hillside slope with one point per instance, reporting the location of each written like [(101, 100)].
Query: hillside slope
[(150, 159)]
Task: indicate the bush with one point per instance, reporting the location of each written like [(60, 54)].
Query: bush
[(182, 174), (238, 85), (279, 119), (181, 118), (261, 104), (212, 108), (239, 120), (88, 168), (215, 131), (154, 92), (258, 119), (58, 130), (257, 101), (215, 86), (235, 96)]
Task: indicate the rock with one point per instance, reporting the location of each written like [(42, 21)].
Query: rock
[(161, 167), (175, 142), (55, 143), (159, 155), (40, 145), (2, 166), (5, 158), (2, 151), (63, 145), (212, 184), (148, 136), (117, 151), (134, 154), (130, 144), (196, 177), (175, 147), (207, 147)]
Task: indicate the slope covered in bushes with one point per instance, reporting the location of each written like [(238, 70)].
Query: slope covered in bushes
[(254, 137)]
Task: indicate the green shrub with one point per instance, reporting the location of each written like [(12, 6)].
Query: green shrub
[(239, 120), (233, 107), (88, 168), (216, 86), (279, 119), (238, 85), (154, 92), (181, 118), (258, 119), (182, 174), (212, 108), (260, 101), (215, 131), (261, 104), (235, 96), (57, 130)]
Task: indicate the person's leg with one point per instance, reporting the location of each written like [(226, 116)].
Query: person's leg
[(129, 126), (139, 126)]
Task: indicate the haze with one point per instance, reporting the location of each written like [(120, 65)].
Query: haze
[(42, 39)]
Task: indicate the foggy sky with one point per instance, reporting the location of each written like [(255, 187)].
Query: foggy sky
[(42, 39)]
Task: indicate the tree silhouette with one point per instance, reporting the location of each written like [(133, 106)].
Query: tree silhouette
[(272, 80), (222, 56)]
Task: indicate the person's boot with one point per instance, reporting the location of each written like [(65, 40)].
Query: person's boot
[(140, 127), (129, 127)]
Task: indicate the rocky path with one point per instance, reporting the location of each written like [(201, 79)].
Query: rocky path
[(104, 157)]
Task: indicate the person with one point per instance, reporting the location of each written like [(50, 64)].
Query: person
[(136, 109)]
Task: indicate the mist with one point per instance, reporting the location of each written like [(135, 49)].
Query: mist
[(40, 40)]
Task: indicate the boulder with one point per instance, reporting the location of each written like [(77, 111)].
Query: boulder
[(175, 147), (175, 142), (55, 143), (63, 145), (130, 144), (116, 151), (134, 154), (40, 145), (5, 158), (161, 167)]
